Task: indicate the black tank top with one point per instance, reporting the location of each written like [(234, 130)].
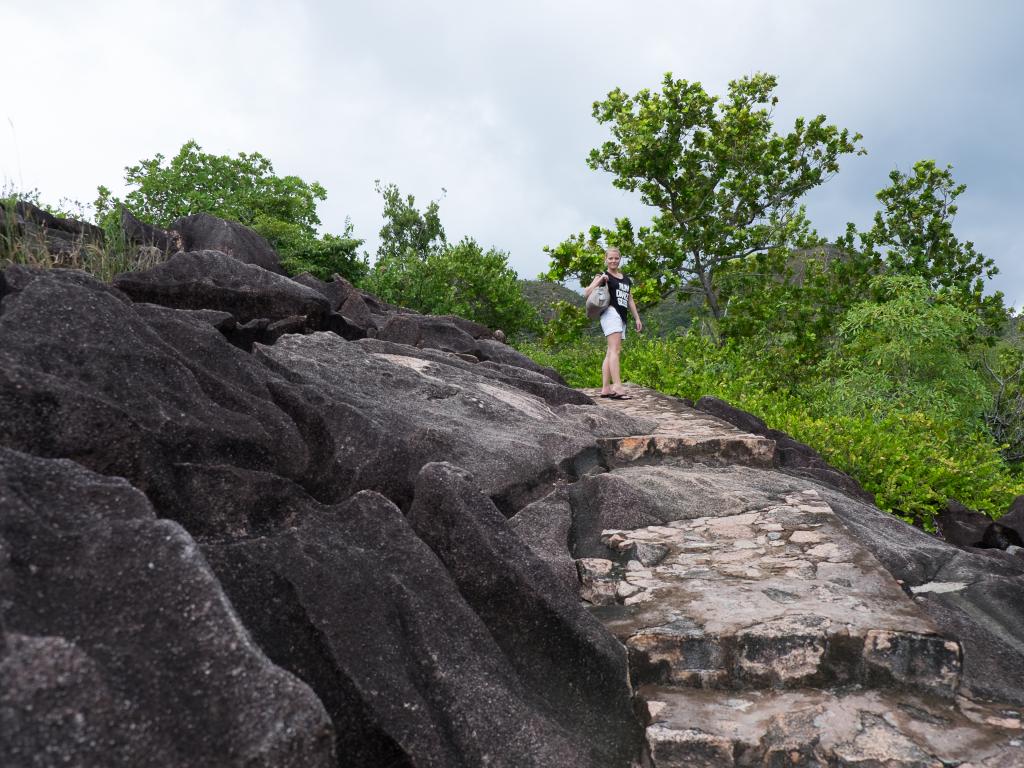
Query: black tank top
[(618, 289)]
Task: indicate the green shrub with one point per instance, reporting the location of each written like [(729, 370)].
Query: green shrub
[(911, 461)]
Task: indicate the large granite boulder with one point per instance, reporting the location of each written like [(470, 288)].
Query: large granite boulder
[(961, 526), (142, 235), (494, 351), (117, 644), (351, 316), (354, 603), (545, 526), (212, 280), (159, 396), (514, 442), (574, 668), (634, 497), (152, 394), (521, 378), (427, 331), (327, 290), (203, 232)]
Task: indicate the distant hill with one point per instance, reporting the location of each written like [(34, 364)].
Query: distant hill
[(543, 295), (675, 313)]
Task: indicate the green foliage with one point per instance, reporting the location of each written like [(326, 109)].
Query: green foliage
[(244, 189), (416, 267), (909, 349), (723, 183), (569, 324), (1004, 366), (871, 351), (910, 460), (913, 234), (465, 280), (408, 239), (790, 302), (793, 301), (329, 255), (407, 231), (579, 362)]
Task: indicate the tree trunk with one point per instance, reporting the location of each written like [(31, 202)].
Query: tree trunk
[(710, 295)]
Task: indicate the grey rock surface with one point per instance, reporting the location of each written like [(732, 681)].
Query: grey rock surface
[(513, 442), (146, 393), (264, 427), (890, 640), (984, 613), (491, 350), (140, 234), (521, 378), (869, 728), (544, 527), (118, 644), (334, 291), (833, 615), (210, 279), (634, 497), (564, 657), (352, 602), (203, 232)]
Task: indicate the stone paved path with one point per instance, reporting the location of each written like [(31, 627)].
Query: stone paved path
[(771, 636)]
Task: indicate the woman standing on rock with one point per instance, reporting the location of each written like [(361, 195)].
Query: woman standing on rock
[(613, 321)]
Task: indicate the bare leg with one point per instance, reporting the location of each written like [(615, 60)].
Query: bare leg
[(605, 373), (612, 360)]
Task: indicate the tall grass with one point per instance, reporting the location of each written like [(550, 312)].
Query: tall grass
[(104, 259)]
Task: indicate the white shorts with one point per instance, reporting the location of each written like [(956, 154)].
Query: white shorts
[(611, 322)]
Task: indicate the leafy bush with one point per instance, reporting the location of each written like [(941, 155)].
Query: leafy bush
[(910, 349)]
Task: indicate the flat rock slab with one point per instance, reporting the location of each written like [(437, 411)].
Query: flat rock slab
[(681, 431), (709, 729), (778, 597)]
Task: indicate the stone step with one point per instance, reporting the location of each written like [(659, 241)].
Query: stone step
[(854, 727), (749, 450), (682, 432), (779, 597)]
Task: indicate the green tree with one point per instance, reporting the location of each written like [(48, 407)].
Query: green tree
[(408, 238), (244, 189), (466, 280), (723, 183), (913, 234), (406, 230), (1004, 369), (417, 268)]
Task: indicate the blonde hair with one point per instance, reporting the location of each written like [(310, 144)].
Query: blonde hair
[(613, 249)]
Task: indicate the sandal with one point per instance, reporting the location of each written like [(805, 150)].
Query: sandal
[(619, 396), (610, 394)]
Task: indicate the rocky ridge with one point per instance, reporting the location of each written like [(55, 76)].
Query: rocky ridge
[(253, 520), (761, 630)]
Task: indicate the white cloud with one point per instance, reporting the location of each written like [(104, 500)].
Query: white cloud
[(493, 102)]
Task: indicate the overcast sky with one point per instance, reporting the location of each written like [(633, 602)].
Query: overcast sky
[(492, 102)]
